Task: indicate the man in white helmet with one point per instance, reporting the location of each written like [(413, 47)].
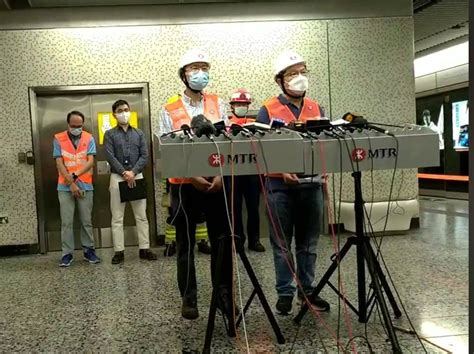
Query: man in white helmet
[(191, 197), (296, 200)]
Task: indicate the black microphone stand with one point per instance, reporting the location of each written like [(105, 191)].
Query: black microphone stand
[(365, 255), (222, 243)]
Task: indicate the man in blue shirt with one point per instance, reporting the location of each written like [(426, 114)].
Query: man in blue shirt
[(296, 201), (127, 153), (74, 151)]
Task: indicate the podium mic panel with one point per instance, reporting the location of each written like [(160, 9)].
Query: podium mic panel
[(243, 155), (371, 150)]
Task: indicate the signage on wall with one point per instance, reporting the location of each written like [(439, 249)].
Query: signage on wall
[(460, 124), (106, 121)]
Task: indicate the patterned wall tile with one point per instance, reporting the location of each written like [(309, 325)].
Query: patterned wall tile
[(371, 72), (241, 53), (374, 55)]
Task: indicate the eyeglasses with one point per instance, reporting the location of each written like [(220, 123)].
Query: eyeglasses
[(197, 67), (293, 74)]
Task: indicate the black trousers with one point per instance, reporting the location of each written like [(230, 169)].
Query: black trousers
[(248, 188), (189, 204)]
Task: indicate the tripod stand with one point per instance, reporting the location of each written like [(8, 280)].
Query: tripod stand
[(257, 290), (365, 254)]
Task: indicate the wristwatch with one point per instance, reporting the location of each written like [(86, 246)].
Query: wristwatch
[(74, 176)]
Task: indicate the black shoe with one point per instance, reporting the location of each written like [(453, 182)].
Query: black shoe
[(283, 305), (203, 247), (189, 309), (170, 250), (257, 247), (317, 303), (118, 258), (147, 254)]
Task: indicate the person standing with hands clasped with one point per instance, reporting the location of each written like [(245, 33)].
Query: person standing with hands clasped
[(127, 154), (74, 150)]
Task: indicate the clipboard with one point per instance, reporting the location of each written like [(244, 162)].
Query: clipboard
[(130, 194)]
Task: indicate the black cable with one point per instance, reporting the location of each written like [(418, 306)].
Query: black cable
[(296, 336), (379, 254), (364, 338)]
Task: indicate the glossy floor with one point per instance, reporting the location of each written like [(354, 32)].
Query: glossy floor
[(136, 307)]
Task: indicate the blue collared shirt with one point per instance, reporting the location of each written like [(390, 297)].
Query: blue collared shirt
[(126, 150)]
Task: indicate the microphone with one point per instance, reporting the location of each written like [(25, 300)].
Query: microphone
[(221, 128), (236, 129), (256, 127), (277, 123), (202, 126), (187, 130), (360, 121)]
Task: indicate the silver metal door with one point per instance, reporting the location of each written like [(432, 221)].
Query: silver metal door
[(49, 110)]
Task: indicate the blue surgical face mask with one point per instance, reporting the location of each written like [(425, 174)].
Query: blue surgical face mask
[(76, 131), (198, 80)]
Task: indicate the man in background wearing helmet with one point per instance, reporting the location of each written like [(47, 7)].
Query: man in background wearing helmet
[(247, 186), (297, 201), (190, 197)]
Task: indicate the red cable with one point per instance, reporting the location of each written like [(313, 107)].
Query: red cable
[(335, 244), (295, 277)]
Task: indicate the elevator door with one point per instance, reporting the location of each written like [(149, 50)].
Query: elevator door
[(51, 119)]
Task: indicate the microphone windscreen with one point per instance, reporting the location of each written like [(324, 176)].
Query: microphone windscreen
[(235, 129), (202, 126)]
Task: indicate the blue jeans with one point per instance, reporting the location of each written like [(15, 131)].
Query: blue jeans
[(296, 211)]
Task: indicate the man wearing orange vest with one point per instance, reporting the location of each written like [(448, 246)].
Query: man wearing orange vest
[(246, 187), (296, 201), (190, 197), (74, 151)]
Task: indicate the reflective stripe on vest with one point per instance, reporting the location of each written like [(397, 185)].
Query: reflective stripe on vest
[(74, 158), (180, 116), (278, 110)]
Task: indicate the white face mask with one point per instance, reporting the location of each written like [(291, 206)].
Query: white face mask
[(123, 117), (241, 111), (298, 84)]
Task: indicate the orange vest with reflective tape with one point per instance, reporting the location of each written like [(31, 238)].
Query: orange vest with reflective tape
[(240, 120), (74, 158), (180, 116), (278, 110)]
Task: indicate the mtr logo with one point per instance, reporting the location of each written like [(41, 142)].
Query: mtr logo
[(359, 154), (216, 160)]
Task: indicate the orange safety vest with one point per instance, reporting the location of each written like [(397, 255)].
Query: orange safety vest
[(180, 116), (240, 120), (278, 110), (74, 158)]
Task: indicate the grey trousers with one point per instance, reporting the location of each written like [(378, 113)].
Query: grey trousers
[(67, 204)]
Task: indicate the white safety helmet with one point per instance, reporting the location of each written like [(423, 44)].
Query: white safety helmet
[(285, 60), (193, 55)]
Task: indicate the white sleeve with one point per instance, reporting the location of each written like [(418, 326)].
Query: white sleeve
[(223, 111), (166, 124)]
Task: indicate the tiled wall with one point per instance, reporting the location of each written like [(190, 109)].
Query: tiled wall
[(373, 54)]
